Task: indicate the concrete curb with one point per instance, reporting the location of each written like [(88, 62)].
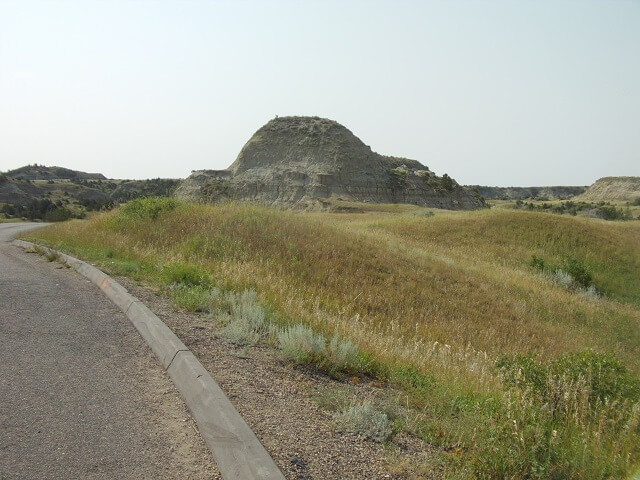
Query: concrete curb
[(235, 448)]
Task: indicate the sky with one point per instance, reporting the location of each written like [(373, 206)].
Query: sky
[(506, 93)]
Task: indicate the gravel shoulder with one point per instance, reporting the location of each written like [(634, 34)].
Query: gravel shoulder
[(280, 403)]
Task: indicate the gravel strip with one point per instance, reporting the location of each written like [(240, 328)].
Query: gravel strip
[(277, 401)]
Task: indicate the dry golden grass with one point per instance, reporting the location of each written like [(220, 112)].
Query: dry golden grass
[(394, 282), (448, 294)]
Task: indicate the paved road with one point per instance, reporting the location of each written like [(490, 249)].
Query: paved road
[(80, 394)]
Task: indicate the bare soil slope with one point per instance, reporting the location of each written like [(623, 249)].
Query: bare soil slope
[(609, 189)]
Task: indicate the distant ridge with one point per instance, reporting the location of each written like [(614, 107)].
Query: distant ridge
[(522, 193), (41, 172), (73, 190)]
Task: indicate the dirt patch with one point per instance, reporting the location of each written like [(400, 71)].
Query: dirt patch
[(280, 403)]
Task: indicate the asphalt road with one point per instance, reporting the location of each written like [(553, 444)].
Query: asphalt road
[(80, 393)]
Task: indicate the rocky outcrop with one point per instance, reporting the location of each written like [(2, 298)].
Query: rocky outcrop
[(309, 161), (607, 189), (522, 193), (10, 192)]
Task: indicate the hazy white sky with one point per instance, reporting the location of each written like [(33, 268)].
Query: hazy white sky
[(511, 92)]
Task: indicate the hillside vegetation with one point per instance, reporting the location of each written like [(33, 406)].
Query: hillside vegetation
[(515, 335)]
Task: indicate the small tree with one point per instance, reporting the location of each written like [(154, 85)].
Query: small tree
[(447, 182)]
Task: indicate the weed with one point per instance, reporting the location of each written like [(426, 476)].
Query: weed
[(366, 421), (590, 293), (186, 274), (564, 279), (410, 378), (342, 355), (301, 345), (524, 371), (37, 250), (537, 263), (52, 256), (193, 298), (424, 213), (243, 317), (124, 267), (333, 399)]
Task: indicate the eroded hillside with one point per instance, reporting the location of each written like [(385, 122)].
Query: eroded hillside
[(311, 161)]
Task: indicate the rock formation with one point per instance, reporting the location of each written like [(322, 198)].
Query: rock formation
[(310, 161), (608, 189)]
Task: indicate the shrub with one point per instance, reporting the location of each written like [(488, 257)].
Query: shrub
[(590, 293), (447, 182), (301, 345), (240, 332), (563, 278), (342, 355), (333, 399), (578, 271), (537, 263), (366, 421), (147, 208), (571, 273), (610, 212), (524, 371), (244, 318), (605, 375), (246, 306), (58, 214)]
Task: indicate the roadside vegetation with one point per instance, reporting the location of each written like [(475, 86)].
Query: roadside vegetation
[(509, 373)]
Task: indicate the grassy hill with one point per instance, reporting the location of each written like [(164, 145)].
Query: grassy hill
[(514, 335)]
